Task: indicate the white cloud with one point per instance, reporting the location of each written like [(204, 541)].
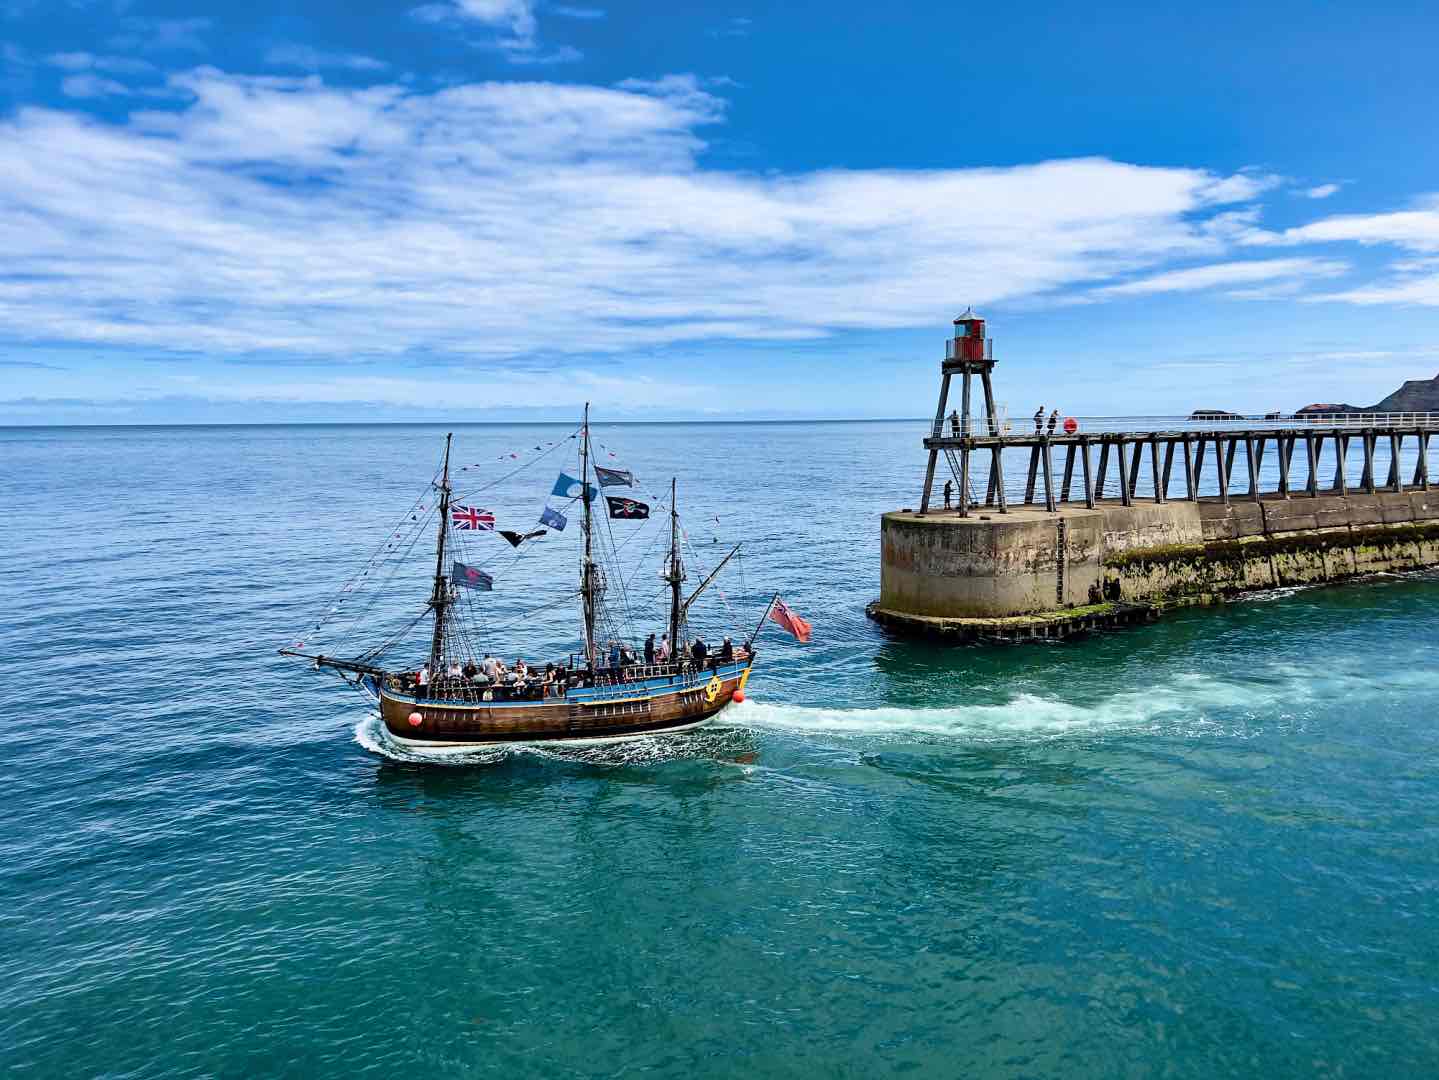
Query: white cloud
[(1422, 290), (572, 12), (83, 61), (515, 22), (91, 86), (162, 35), (1214, 275), (1322, 191), (516, 18), (1416, 229), (311, 59), (496, 220)]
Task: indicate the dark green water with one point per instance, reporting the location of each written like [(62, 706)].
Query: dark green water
[(1208, 848)]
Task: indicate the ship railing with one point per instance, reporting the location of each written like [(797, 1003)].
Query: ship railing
[(460, 690), (632, 673), (1065, 426)]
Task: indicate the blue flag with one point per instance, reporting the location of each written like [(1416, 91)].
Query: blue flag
[(567, 487), (554, 519)]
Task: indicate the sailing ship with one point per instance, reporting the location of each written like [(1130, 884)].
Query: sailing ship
[(609, 691)]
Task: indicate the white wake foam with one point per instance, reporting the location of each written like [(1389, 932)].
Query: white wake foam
[(1188, 704), (712, 743)]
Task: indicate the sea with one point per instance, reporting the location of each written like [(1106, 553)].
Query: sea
[(1204, 848)]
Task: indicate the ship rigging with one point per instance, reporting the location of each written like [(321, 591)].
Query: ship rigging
[(457, 697)]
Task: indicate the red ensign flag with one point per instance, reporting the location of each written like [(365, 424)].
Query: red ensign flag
[(796, 625)]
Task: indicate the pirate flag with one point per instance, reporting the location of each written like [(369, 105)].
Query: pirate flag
[(627, 508)]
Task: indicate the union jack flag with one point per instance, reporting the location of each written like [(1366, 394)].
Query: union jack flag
[(470, 517)]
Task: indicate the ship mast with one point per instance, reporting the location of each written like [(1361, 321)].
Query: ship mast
[(675, 573), (587, 567), (440, 598)]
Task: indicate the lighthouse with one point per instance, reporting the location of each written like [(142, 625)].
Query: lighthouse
[(967, 354)]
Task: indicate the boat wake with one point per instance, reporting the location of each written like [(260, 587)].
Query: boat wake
[(1185, 706), (1190, 705), (723, 743)]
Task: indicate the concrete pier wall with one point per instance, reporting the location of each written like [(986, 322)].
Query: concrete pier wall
[(1029, 562)]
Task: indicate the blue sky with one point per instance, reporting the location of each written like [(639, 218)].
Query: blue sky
[(495, 209)]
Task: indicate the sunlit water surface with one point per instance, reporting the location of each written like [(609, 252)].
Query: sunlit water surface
[(1207, 848)]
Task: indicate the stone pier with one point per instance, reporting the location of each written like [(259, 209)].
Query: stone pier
[(1033, 573)]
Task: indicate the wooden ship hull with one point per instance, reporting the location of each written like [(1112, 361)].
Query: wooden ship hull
[(647, 704)]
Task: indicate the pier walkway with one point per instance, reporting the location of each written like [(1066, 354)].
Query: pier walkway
[(1163, 458)]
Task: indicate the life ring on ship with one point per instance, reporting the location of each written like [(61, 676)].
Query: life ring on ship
[(712, 688), (416, 719)]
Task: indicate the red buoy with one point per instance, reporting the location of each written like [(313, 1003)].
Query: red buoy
[(1071, 425), (738, 695), (416, 719)]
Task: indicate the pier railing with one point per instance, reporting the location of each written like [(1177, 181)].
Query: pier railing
[(1012, 427), (1133, 458)]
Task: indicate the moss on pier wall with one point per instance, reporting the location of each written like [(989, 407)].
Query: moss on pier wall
[(1222, 567)]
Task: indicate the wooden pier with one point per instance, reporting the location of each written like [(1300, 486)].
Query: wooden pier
[(1175, 457)]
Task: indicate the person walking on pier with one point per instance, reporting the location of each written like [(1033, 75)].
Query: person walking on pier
[(954, 422), (948, 492), (1039, 420), (1053, 420)]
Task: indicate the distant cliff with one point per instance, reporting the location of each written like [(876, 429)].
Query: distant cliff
[(1416, 395)]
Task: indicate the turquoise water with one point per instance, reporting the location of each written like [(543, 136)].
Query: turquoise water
[(1207, 848)]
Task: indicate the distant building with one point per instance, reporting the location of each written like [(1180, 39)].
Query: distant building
[(1214, 414)]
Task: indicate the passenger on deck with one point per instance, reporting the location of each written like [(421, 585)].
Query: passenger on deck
[(726, 653), (628, 657), (662, 653), (699, 650), (453, 671), (650, 649), (422, 677), (491, 666), (614, 654), (470, 670), (521, 668)]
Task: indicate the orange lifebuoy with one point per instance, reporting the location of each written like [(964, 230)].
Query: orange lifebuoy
[(416, 719), (738, 696)]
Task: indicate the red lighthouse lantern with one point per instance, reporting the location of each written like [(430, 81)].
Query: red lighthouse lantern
[(969, 340)]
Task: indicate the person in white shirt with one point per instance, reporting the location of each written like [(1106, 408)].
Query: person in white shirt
[(662, 653)]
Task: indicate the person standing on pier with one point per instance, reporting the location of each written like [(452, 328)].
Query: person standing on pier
[(948, 492), (1053, 420), (954, 422), (1039, 420)]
